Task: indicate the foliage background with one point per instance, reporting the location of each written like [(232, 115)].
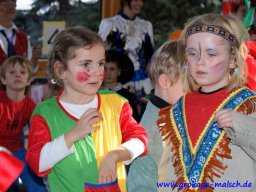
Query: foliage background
[(165, 15)]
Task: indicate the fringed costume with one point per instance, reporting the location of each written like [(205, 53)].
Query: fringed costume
[(201, 153)]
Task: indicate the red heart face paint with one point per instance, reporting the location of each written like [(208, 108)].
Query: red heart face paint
[(82, 76)]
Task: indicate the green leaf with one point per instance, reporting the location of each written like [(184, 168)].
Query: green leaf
[(248, 18), (247, 4)]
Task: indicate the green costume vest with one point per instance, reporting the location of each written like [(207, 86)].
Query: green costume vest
[(70, 174)]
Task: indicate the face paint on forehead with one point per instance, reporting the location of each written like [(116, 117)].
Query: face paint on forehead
[(82, 76)]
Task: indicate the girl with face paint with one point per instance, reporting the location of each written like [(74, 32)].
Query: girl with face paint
[(210, 132), (82, 138)]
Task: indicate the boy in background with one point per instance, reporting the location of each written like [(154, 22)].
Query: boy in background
[(119, 70), (15, 112), (166, 72)]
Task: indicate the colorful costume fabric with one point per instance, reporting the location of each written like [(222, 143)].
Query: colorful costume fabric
[(201, 152), (81, 167), (106, 187), (230, 7), (143, 172), (135, 37), (129, 96), (251, 65)]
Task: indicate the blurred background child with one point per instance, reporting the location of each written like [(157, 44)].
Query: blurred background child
[(15, 113), (118, 71), (167, 73)]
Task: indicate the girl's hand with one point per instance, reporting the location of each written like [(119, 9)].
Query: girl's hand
[(83, 127), (224, 118), (107, 170)]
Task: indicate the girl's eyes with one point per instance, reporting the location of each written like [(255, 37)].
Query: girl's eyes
[(212, 54), (13, 72), (191, 53), (101, 64), (84, 64)]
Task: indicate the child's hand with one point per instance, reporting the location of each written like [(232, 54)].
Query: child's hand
[(85, 123), (224, 118), (83, 127), (107, 170)]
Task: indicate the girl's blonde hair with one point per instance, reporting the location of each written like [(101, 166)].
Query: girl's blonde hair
[(169, 59), (234, 26), (65, 45)]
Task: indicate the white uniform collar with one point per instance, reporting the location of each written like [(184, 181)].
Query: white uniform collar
[(13, 27)]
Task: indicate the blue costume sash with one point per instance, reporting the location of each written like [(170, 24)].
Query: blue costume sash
[(194, 160)]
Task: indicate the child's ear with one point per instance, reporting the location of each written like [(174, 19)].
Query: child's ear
[(164, 81), (58, 70), (3, 81)]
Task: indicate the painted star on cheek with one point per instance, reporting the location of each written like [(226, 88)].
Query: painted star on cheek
[(82, 76)]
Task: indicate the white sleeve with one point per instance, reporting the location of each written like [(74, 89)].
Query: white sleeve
[(135, 146), (105, 28), (53, 152), (150, 32)]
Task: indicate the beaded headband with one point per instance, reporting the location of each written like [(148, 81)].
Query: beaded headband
[(215, 30)]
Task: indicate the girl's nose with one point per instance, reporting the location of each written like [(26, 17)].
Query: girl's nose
[(201, 60)]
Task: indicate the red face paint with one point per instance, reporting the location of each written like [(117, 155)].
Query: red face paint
[(82, 76)]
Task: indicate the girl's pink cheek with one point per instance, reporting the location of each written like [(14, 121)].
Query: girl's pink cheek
[(82, 76)]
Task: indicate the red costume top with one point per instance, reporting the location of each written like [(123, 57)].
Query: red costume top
[(201, 150), (205, 104), (14, 116)]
